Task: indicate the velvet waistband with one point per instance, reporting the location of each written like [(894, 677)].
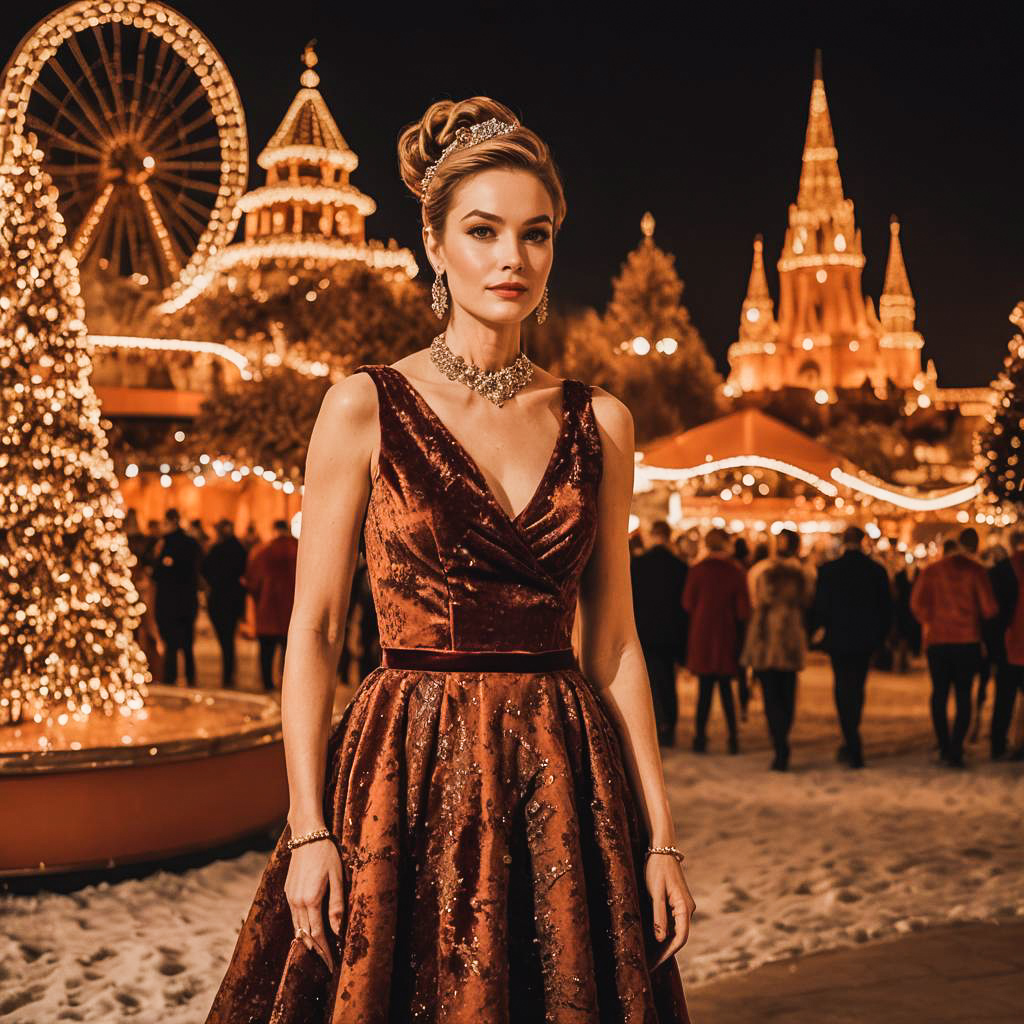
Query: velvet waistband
[(432, 660)]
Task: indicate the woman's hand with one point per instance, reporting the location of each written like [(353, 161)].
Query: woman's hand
[(315, 868), (670, 896)]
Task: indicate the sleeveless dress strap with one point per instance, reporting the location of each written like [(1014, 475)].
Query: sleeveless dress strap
[(586, 426)]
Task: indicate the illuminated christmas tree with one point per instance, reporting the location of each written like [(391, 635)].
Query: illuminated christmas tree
[(1000, 445), (673, 384), (68, 604)]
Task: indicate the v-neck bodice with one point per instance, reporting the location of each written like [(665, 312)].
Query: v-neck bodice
[(474, 465), (448, 566)]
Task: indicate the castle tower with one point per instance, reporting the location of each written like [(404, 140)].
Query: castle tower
[(824, 340), (827, 334), (900, 343), (754, 351)]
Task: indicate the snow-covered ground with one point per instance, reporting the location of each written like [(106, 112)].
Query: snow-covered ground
[(779, 864)]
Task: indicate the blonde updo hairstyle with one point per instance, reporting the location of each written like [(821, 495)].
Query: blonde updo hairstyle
[(423, 141)]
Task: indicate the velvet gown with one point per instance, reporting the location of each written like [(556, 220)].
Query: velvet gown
[(491, 847)]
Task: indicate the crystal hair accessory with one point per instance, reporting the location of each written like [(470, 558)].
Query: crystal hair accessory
[(464, 138)]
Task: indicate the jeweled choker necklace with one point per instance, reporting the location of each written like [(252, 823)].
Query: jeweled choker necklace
[(498, 386)]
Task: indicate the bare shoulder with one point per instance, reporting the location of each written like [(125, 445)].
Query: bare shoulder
[(613, 416), (351, 402), (347, 414)]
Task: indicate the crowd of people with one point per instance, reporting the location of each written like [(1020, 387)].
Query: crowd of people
[(181, 571), (175, 566), (734, 616)]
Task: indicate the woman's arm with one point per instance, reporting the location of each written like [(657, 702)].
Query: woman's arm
[(337, 487), (611, 655), (613, 659)]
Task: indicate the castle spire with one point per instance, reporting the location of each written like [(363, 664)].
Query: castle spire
[(757, 318), (820, 184), (896, 306)]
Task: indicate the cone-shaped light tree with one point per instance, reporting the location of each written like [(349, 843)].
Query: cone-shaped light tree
[(1000, 445), (68, 606), (666, 375)]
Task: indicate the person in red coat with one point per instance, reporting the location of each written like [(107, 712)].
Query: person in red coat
[(717, 600), (951, 599), (270, 578)]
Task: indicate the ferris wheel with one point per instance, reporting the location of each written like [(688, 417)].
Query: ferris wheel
[(142, 132)]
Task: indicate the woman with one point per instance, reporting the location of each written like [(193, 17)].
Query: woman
[(469, 822), (775, 646)]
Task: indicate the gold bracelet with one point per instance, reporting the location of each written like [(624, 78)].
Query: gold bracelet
[(666, 849), (309, 837)]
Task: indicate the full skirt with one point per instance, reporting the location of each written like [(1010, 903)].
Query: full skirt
[(493, 861)]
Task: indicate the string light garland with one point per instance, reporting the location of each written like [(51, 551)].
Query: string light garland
[(738, 462), (859, 483), (69, 606)]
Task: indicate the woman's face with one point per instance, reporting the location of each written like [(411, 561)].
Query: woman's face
[(499, 229)]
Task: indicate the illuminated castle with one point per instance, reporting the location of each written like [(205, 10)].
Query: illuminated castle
[(827, 334)]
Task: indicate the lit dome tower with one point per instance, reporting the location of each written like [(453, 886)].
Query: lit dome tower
[(307, 215)]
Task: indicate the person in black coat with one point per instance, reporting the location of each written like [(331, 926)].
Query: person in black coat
[(1005, 641), (175, 561), (853, 603), (906, 629), (223, 567), (658, 577)]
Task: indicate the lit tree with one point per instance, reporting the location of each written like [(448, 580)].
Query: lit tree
[(267, 422), (68, 604), (675, 384), (348, 315), (1000, 448)]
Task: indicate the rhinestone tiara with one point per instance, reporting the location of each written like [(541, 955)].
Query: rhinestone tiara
[(464, 138)]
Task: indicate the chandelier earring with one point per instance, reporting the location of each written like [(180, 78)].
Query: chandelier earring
[(542, 307), (439, 297)]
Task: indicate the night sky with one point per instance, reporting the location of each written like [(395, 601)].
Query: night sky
[(696, 115)]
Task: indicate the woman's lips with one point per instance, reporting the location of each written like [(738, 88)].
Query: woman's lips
[(508, 293)]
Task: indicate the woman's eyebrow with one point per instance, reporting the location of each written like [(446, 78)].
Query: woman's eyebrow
[(499, 220)]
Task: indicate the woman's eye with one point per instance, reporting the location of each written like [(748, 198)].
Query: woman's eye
[(536, 234)]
